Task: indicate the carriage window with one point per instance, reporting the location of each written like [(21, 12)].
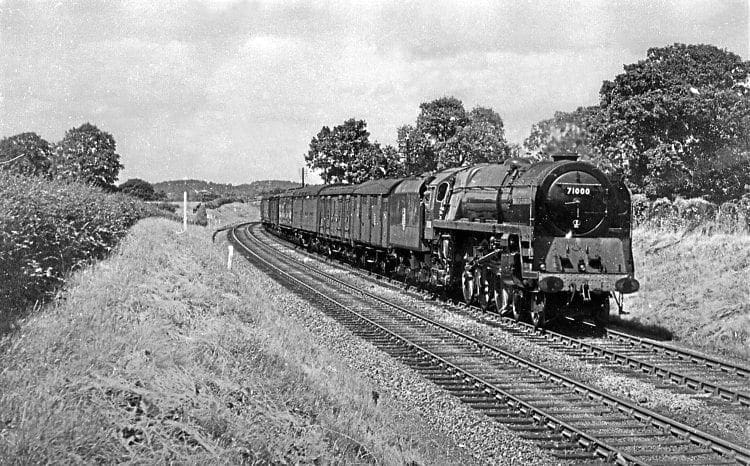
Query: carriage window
[(441, 191)]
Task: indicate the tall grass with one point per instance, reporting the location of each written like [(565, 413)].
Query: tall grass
[(159, 354), (695, 285)]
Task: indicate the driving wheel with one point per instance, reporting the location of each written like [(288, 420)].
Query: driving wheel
[(468, 286), (485, 287)]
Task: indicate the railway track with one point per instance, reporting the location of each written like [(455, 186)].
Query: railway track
[(673, 366), (569, 419)]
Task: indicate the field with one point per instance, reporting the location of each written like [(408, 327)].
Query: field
[(694, 286), (161, 354)]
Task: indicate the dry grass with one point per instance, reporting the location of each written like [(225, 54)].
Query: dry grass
[(696, 286), (159, 354)]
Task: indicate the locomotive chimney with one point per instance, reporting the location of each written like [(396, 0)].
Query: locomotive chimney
[(559, 157)]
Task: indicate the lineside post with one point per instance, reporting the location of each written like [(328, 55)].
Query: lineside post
[(184, 210)]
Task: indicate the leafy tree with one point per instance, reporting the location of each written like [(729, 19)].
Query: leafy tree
[(665, 121), (437, 124), (26, 153), (88, 154), (136, 187), (375, 163), (565, 132), (414, 151), (482, 139), (446, 136), (345, 154)]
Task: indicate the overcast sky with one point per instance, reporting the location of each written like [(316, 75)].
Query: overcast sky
[(233, 91)]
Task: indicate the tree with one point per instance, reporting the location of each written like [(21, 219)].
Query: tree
[(666, 119), (138, 188), (345, 154), (88, 154), (374, 163), (437, 124), (26, 153), (565, 133), (482, 140), (414, 151)]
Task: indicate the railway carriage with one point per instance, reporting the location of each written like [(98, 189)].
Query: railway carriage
[(336, 217)]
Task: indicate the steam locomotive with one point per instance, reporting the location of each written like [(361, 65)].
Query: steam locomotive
[(536, 240)]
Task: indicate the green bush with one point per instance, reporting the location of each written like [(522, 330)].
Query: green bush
[(49, 228)]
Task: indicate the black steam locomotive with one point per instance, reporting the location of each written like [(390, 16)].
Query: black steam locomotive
[(538, 240)]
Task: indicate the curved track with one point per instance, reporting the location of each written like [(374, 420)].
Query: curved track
[(566, 417), (675, 366)]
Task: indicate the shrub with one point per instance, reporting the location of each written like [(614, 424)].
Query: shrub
[(201, 218), (692, 214), (168, 206), (49, 228)]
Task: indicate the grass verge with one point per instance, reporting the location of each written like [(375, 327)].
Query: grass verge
[(159, 354), (696, 286)]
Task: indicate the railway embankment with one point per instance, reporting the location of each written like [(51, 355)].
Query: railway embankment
[(161, 354), (694, 286)]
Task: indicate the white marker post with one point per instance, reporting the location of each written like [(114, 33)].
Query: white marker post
[(229, 257), (184, 210)]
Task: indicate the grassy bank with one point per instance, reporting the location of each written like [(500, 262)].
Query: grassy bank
[(159, 354), (695, 286)]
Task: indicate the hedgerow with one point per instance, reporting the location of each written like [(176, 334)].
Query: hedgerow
[(692, 215), (48, 228)]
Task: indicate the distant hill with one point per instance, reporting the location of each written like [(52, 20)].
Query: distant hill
[(175, 188)]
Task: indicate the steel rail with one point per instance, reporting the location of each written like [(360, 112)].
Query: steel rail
[(683, 353), (675, 376), (647, 367), (585, 440), (676, 428)]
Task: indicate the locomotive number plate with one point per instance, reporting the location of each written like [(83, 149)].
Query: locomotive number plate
[(579, 189)]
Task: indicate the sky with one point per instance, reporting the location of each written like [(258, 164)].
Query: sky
[(233, 91)]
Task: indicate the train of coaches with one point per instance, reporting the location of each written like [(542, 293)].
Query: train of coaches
[(536, 240)]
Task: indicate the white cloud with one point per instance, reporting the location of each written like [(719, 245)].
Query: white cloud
[(234, 90)]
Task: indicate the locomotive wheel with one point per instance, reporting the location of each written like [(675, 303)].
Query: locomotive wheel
[(538, 311), (468, 286), (485, 288), (504, 302), (517, 303)]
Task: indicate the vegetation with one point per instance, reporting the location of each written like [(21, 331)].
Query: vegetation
[(27, 154), (161, 355), (173, 189), (49, 228), (345, 154), (138, 188), (87, 154), (674, 124), (564, 133), (446, 136), (693, 285)]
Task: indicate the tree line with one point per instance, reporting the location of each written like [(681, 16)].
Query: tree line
[(674, 124), (85, 154), (444, 135)]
